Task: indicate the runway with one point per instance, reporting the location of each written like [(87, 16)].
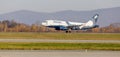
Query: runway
[(60, 41), (58, 53)]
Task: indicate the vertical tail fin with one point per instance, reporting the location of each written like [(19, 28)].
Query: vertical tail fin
[(95, 17), (91, 23)]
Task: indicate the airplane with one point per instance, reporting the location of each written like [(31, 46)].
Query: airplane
[(68, 25)]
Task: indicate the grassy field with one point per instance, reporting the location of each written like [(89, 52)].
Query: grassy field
[(59, 46), (65, 36)]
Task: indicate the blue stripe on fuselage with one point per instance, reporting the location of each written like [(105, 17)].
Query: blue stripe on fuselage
[(58, 27)]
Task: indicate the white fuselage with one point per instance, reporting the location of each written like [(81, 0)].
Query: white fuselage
[(66, 24), (54, 23)]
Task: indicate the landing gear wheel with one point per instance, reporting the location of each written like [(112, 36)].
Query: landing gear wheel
[(68, 31)]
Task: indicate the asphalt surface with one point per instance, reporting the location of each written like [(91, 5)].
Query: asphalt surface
[(55, 53), (58, 53), (60, 41)]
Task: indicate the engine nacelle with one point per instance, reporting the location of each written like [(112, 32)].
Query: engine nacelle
[(96, 26)]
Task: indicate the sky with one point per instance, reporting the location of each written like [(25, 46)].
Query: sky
[(55, 5)]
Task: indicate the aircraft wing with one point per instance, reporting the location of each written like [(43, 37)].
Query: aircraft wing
[(74, 25)]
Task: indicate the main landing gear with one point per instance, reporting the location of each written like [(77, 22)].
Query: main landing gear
[(68, 31)]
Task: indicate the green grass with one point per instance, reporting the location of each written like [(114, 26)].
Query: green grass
[(65, 36), (59, 46)]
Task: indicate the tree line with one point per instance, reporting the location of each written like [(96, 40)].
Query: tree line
[(12, 26), (112, 28)]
